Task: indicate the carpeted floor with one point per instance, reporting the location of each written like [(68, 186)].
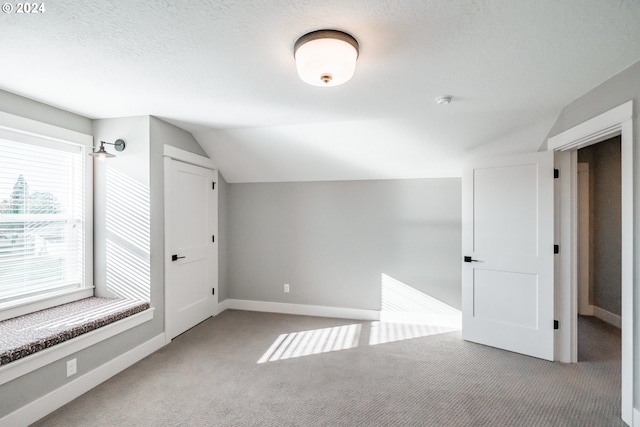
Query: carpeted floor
[(209, 376)]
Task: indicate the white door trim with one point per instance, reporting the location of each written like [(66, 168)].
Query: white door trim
[(584, 247), (594, 130), (172, 153), (188, 157), (617, 121)]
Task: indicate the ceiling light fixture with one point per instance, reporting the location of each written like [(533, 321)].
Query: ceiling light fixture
[(326, 57), (102, 153)]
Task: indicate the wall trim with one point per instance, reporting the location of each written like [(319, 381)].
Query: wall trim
[(587, 311), (188, 157), (29, 127), (593, 130), (302, 309), (42, 358), (223, 305), (607, 316), (59, 397), (636, 418)]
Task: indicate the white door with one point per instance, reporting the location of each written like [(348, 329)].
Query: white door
[(191, 258), (507, 243)]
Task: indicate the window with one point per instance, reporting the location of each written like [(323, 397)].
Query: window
[(45, 221)]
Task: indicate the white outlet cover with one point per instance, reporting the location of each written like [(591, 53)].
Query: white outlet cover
[(72, 367)]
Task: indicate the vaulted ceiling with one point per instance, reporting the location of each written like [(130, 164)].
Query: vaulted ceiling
[(224, 70)]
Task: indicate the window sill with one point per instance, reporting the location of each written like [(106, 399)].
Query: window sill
[(42, 358), (42, 302)]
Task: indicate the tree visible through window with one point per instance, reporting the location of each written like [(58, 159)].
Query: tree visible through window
[(22, 201), (41, 218)]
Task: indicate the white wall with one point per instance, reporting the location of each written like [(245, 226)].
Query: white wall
[(122, 210)]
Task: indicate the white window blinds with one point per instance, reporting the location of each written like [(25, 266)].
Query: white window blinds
[(41, 218)]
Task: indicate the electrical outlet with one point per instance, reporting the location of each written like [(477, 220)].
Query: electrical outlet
[(286, 288), (72, 367)]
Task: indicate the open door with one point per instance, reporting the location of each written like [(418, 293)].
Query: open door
[(508, 249)]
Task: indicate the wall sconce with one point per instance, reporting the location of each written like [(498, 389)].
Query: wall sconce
[(102, 153)]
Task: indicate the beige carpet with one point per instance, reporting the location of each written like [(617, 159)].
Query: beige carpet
[(209, 376)]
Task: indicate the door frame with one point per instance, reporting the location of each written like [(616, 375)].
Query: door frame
[(172, 153), (617, 121), (584, 245)]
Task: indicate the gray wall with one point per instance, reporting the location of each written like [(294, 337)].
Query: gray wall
[(223, 239), (332, 241), (162, 133), (605, 222), (165, 133), (24, 107), (141, 168), (619, 89), (48, 378)]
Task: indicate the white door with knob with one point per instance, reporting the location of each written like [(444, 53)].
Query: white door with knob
[(508, 253), (190, 246)]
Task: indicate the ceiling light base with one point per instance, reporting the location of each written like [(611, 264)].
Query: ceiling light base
[(444, 100)]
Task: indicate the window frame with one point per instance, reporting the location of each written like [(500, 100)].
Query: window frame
[(22, 128)]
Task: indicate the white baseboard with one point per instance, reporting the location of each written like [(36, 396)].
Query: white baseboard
[(586, 311), (636, 418), (48, 403), (223, 305), (302, 309), (606, 316)]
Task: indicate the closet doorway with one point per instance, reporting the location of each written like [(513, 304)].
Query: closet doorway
[(599, 251)]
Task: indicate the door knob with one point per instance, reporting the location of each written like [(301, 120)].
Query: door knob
[(469, 259), (176, 257)]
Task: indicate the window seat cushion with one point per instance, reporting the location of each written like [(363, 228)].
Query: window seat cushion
[(28, 334)]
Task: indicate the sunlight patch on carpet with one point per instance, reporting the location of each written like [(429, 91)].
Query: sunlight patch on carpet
[(306, 343), (408, 313), (386, 332)]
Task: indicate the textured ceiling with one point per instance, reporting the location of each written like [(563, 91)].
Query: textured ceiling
[(224, 70)]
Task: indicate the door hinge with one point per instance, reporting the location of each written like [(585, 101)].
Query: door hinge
[(556, 324), (556, 173), (556, 249), (213, 291), (213, 239), (213, 185)]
